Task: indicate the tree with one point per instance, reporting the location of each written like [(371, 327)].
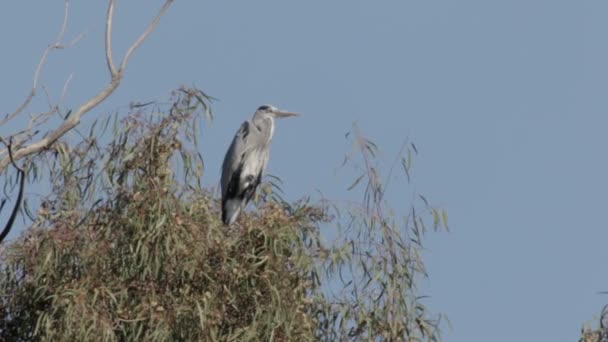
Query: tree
[(129, 246)]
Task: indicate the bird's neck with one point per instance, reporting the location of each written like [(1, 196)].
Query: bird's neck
[(271, 126), (265, 124)]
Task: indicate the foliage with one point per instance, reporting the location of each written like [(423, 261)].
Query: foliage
[(376, 261), (600, 334), (129, 246)]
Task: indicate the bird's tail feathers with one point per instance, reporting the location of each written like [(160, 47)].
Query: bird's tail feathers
[(230, 211)]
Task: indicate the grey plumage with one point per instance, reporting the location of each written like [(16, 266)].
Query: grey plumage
[(246, 160)]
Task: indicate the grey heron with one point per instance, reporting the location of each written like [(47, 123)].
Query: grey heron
[(246, 160)]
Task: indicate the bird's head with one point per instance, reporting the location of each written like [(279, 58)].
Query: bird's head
[(273, 112)]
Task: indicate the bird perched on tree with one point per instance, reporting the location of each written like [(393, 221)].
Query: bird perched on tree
[(246, 160)]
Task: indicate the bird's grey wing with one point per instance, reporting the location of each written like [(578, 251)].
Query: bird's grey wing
[(234, 156)]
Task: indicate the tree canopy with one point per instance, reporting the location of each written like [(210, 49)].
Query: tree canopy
[(129, 246)]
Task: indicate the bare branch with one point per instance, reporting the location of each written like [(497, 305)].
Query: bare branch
[(56, 45), (65, 89), (64, 25), (32, 93), (144, 35), (75, 40), (74, 119), (109, 20), (49, 101)]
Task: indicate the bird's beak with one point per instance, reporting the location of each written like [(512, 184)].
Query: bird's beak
[(284, 114)]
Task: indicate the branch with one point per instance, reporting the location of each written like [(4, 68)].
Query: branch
[(56, 45), (144, 35), (109, 60), (21, 174), (116, 76)]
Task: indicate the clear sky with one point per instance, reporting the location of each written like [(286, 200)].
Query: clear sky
[(506, 101)]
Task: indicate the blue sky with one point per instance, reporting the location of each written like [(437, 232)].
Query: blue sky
[(506, 101)]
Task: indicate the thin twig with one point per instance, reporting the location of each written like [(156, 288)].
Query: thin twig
[(144, 35), (65, 90), (49, 101), (109, 20), (53, 46), (64, 25)]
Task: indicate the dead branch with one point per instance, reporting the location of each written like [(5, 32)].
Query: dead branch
[(115, 75), (54, 46)]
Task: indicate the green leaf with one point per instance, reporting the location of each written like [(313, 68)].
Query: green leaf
[(444, 218)]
